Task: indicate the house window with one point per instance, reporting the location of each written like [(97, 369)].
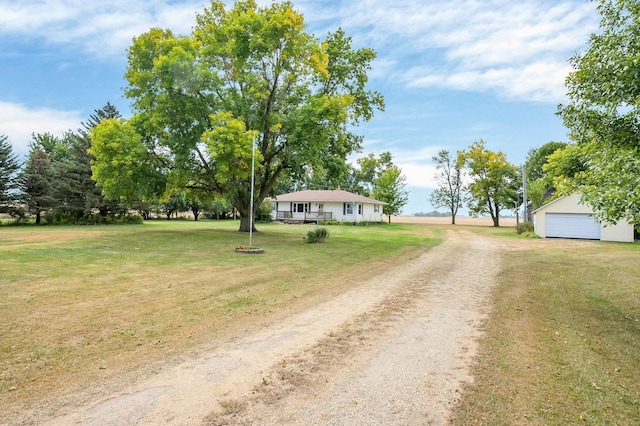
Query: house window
[(299, 207), (376, 208), (359, 208), (348, 208)]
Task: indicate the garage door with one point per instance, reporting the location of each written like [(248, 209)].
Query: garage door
[(572, 225)]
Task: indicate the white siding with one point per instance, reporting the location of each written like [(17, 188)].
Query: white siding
[(576, 221), (337, 211), (621, 232)]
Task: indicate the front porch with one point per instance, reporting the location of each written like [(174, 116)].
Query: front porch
[(306, 217)]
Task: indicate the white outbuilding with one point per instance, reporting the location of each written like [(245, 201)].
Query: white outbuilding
[(568, 217)]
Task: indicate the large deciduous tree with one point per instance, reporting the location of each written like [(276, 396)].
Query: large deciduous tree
[(122, 166), (449, 179), (390, 186), (495, 181), (603, 113), (380, 178), (248, 77), (540, 185)]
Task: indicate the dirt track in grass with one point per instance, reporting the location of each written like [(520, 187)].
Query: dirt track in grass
[(394, 350)]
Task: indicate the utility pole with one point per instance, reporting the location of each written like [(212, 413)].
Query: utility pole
[(253, 166)]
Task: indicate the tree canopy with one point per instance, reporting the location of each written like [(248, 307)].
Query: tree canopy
[(603, 113), (247, 81), (540, 182), (37, 180), (495, 182), (388, 184)]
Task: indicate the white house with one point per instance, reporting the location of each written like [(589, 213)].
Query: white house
[(338, 205), (568, 217)]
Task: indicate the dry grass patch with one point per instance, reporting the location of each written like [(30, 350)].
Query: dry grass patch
[(562, 345)]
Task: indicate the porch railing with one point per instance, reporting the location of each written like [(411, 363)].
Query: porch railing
[(307, 216)]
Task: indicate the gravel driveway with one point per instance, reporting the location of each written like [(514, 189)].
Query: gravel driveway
[(393, 351)]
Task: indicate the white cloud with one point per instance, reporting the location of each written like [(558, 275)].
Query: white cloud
[(419, 175), (416, 165), (19, 122), (517, 49), (100, 28)]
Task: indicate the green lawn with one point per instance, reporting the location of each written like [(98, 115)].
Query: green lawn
[(562, 345), (80, 304)]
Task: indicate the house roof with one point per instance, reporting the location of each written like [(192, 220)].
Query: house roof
[(549, 203), (326, 196)]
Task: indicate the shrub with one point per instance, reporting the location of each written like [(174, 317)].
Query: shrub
[(263, 214), (319, 235), (530, 235), (66, 218), (524, 227)]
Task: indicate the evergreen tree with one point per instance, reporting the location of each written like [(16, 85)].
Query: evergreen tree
[(9, 167), (70, 168), (37, 183), (87, 195)]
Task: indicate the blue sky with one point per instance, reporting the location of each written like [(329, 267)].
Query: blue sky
[(452, 72)]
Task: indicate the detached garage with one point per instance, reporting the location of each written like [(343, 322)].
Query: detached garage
[(567, 217)]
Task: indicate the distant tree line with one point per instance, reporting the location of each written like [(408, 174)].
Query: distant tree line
[(433, 213), (56, 184)]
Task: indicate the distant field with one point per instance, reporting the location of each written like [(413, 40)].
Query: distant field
[(460, 220)]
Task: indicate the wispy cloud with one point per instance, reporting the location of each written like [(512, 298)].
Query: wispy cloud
[(102, 29), (515, 49)]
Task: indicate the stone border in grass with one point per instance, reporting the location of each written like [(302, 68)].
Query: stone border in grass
[(249, 250)]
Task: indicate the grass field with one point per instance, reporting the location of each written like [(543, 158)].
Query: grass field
[(562, 345), (81, 306)]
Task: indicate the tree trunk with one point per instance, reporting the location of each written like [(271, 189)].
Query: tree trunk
[(496, 218), (245, 224), (389, 218)]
